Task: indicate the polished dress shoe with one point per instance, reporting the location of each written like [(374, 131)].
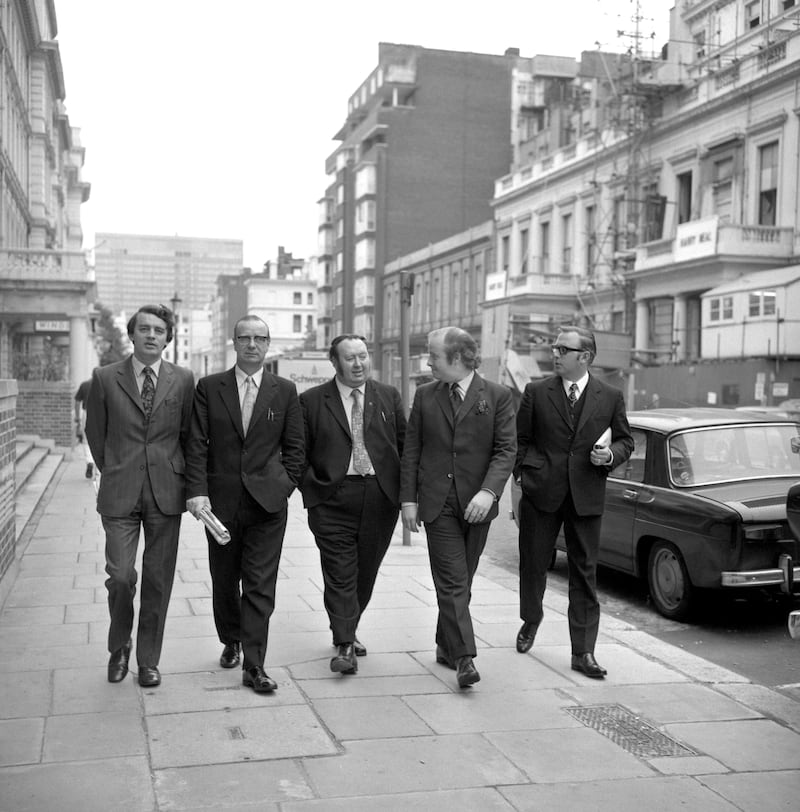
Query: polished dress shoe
[(230, 655), (118, 663), (586, 664), (359, 648), (466, 673), (443, 659), (345, 660), (257, 679), (525, 637), (149, 676)]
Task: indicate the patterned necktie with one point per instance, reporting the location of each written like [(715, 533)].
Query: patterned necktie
[(455, 398), (360, 456), (148, 392), (248, 402), (573, 395)]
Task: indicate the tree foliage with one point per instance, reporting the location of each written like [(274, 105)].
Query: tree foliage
[(111, 343)]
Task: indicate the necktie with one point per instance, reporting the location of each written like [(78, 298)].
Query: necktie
[(248, 402), (573, 394), (360, 456), (455, 398), (148, 392)]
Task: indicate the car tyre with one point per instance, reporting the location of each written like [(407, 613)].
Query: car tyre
[(668, 579)]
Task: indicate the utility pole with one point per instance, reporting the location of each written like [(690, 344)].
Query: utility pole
[(175, 301), (406, 292)]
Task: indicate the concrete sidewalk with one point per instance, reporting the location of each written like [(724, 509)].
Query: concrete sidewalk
[(665, 730)]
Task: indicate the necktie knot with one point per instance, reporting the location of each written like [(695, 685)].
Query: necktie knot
[(455, 397), (573, 394)]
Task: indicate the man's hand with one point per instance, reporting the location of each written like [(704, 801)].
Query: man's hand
[(196, 504), (601, 455), (408, 514), (479, 507)]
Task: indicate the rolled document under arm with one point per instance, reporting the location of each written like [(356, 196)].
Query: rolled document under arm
[(215, 526)]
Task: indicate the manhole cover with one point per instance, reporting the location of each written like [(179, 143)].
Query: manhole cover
[(629, 731)]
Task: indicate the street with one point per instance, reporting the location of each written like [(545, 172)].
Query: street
[(746, 635)]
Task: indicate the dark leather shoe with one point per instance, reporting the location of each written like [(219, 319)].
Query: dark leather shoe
[(257, 679), (359, 648), (230, 655), (443, 659), (525, 637), (118, 663), (345, 661), (586, 664), (466, 673), (149, 676)]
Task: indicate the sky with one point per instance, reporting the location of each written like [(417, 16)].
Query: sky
[(209, 119)]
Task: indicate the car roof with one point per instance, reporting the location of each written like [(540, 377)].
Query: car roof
[(692, 417)]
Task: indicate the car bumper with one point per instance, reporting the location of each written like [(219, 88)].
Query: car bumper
[(786, 575)]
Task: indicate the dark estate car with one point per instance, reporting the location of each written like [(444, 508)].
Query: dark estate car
[(701, 504)]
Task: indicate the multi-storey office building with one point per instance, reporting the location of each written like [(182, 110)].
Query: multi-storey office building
[(693, 185), (129, 267), (45, 283), (425, 136)]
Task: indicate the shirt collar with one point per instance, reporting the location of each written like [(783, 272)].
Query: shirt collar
[(582, 381), (345, 391), (465, 383), (242, 376), (138, 367)]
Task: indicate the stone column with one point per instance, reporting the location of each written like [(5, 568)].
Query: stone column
[(679, 328), (642, 325), (80, 350)]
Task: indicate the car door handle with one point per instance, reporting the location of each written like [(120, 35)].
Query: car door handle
[(630, 494)]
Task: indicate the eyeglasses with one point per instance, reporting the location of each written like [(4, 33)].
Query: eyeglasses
[(243, 341), (560, 349)]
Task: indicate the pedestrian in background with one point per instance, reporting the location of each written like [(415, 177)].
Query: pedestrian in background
[(244, 460), (571, 431), (137, 424), (354, 430), (81, 398), (458, 454)]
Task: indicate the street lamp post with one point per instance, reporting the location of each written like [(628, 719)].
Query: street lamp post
[(175, 301)]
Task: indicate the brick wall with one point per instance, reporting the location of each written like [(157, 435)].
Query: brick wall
[(47, 409), (8, 405)]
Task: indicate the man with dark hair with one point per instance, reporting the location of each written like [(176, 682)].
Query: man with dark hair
[(137, 424), (354, 429), (244, 460), (458, 455), (81, 399), (571, 431)]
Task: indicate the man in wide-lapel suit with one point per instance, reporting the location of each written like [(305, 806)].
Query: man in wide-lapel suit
[(354, 430), (244, 459), (571, 431), (137, 423), (458, 454)]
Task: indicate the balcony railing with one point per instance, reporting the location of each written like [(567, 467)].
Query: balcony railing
[(31, 264)]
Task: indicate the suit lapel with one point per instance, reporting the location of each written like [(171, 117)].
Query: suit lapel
[(265, 396), (470, 399), (127, 380), (166, 377), (442, 395), (370, 405), (591, 395), (229, 393), (333, 402), (556, 394)]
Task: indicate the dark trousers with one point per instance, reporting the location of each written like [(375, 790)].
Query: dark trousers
[(538, 531), (158, 571), (250, 558), (454, 549), (353, 530)]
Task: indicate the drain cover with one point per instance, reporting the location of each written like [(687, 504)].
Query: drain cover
[(235, 733), (629, 731)]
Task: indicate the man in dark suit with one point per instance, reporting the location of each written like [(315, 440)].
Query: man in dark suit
[(458, 455), (571, 430), (137, 424), (354, 430), (244, 459)]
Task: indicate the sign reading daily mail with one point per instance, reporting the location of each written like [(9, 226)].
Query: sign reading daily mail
[(697, 238)]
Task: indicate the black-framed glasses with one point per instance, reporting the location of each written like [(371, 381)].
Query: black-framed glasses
[(243, 341), (560, 349)]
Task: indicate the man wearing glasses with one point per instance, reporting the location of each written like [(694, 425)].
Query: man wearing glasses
[(571, 431), (244, 459)]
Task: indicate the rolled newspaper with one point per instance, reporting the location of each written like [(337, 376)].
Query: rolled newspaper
[(215, 526)]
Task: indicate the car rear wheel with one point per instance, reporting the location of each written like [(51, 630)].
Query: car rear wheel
[(668, 579)]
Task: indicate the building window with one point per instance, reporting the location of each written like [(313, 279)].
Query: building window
[(544, 235), (364, 291), (365, 254), (297, 297), (505, 243), (524, 247), (684, 197), (767, 183), (310, 298), (721, 308), (456, 291), (365, 180), (723, 188), (566, 244), (365, 216), (752, 14), (297, 323), (309, 323), (761, 303), (591, 240)]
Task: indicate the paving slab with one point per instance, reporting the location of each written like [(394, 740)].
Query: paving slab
[(350, 685), (87, 690), (29, 694), (765, 792), (84, 736), (375, 664), (766, 701), (21, 741), (17, 638), (236, 734), (686, 765), (480, 800), (387, 766), (123, 785), (32, 657), (379, 717)]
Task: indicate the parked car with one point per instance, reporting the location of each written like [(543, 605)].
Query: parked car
[(701, 504)]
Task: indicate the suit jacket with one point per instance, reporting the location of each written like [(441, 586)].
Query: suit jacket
[(476, 450), (222, 462), (553, 458), (126, 448), (329, 444)]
